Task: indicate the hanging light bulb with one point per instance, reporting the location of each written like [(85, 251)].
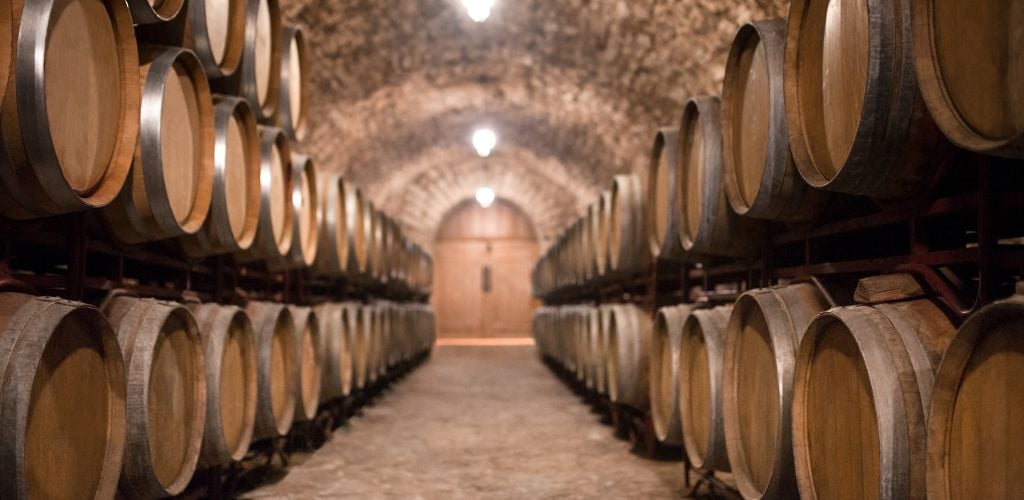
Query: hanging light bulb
[(484, 140), (478, 10), (485, 196)]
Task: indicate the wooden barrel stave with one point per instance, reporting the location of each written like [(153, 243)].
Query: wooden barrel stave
[(276, 369)]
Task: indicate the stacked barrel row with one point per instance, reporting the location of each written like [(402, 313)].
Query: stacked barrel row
[(884, 398), (179, 120), (132, 397), (838, 101)]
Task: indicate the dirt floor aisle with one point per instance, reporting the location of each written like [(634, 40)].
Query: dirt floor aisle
[(477, 422)]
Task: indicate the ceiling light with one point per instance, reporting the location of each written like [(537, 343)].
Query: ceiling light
[(478, 10), (484, 141), (485, 196)]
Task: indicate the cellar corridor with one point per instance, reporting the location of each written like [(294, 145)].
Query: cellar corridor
[(476, 422)]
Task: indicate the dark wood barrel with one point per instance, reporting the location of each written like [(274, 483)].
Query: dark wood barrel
[(664, 372), (707, 225), (274, 232), (370, 244), (976, 101), (216, 33), (337, 353), (165, 397), (60, 359), (362, 323), (662, 191), (154, 11), (627, 240), (276, 368), (761, 180), (235, 198), (65, 153), (603, 251), (629, 339), (857, 123), (863, 381), (974, 443), (229, 349), (6, 43), (309, 360), (170, 187), (605, 317), (304, 204), (761, 341), (702, 347), (294, 95)]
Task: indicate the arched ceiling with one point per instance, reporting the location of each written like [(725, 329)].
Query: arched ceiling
[(574, 88)]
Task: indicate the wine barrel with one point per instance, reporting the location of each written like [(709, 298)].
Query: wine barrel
[(154, 11), (976, 101), (664, 373), (662, 191), (629, 339), (706, 224), (603, 251), (60, 359), (700, 387), (216, 33), (294, 96), (332, 254), (604, 315), (370, 243), (274, 231), (170, 187), (260, 71), (235, 200), (166, 394), (879, 359), (305, 207), (7, 42), (974, 447), (276, 368), (63, 152), (761, 341), (373, 343), (627, 240), (229, 350), (309, 360), (856, 120), (592, 326), (359, 323), (761, 180), (336, 344)]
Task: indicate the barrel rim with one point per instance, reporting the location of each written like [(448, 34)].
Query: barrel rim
[(200, 39), (249, 85), (144, 12), (287, 116)]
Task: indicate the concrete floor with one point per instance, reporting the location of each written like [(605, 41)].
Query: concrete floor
[(477, 422)]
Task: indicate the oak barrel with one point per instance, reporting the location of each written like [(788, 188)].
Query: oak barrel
[(857, 123), (154, 11), (274, 232), (332, 256), (276, 368), (335, 341), (259, 76), (229, 350), (969, 65), (170, 187), (294, 94), (7, 43), (216, 33), (974, 443), (235, 199), (707, 225), (603, 235), (304, 203), (627, 241), (761, 341), (664, 372), (629, 338), (700, 387), (60, 359), (166, 393), (309, 360), (662, 191), (761, 180), (70, 114)]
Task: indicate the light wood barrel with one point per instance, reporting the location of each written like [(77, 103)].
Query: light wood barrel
[(857, 123), (276, 368), (373, 343), (166, 394), (229, 349), (332, 256), (664, 373), (592, 326), (336, 344), (304, 204), (662, 191), (760, 177), (863, 380), (359, 322), (309, 360), (260, 72), (169, 190), (370, 243), (355, 222), (235, 199), (604, 233), (629, 339), (60, 359), (707, 226), (275, 230), (700, 387), (294, 95), (976, 101), (627, 240), (974, 443), (154, 11), (761, 342), (70, 118), (216, 33), (604, 315)]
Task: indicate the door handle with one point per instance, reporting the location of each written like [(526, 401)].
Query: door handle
[(485, 279)]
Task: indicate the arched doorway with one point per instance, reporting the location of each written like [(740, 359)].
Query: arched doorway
[(483, 258)]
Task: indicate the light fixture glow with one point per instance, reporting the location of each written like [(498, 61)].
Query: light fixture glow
[(478, 10), (485, 196), (484, 140)]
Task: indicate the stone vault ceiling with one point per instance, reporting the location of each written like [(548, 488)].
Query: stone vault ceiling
[(574, 89)]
